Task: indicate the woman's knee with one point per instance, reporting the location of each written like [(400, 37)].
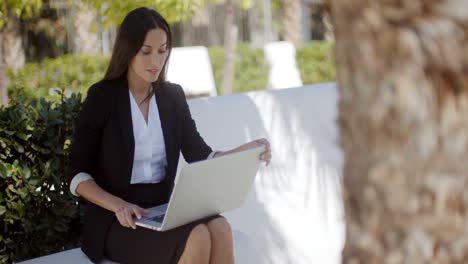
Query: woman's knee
[(220, 227), (200, 236)]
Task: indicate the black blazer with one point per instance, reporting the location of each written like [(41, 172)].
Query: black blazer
[(103, 146)]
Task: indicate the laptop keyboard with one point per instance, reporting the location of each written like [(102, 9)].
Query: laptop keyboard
[(158, 218)]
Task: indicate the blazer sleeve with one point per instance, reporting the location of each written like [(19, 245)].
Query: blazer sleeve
[(194, 147), (87, 135)]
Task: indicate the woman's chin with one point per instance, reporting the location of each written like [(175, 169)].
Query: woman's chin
[(151, 79)]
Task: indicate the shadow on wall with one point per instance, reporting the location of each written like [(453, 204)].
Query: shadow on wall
[(294, 212)]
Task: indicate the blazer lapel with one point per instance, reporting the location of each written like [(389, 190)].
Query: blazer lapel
[(167, 124), (126, 126)]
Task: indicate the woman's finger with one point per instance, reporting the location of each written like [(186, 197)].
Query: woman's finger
[(144, 211), (136, 211), (119, 217), (122, 220), (123, 216), (129, 217), (264, 157)]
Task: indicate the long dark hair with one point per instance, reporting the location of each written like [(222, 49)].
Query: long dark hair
[(130, 38)]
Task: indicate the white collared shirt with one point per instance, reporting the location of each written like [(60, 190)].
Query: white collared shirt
[(149, 158)]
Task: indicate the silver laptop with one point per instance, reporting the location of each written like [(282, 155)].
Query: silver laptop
[(206, 188)]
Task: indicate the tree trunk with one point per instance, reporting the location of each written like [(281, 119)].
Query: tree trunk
[(85, 29), (292, 21), (328, 34), (3, 77), (11, 47), (230, 39), (403, 78), (255, 26), (13, 43)]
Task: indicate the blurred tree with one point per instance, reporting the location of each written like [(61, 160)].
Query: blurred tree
[(114, 11), (402, 68), (230, 40), (11, 43), (85, 29), (292, 21), (46, 34), (174, 11)]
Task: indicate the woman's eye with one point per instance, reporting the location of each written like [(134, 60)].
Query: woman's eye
[(146, 52), (162, 51)]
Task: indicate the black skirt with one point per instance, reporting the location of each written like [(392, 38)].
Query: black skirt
[(143, 245)]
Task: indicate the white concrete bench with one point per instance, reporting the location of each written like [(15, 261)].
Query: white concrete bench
[(294, 212), (243, 253)]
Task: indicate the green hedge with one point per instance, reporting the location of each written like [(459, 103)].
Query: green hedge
[(71, 72), (77, 72), (251, 70), (316, 62), (38, 215)]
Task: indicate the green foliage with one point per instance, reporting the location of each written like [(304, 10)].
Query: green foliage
[(75, 73), (72, 73), (114, 11), (251, 70), (316, 62), (23, 9), (38, 215)]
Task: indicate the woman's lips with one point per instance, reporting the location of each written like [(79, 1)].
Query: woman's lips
[(153, 72)]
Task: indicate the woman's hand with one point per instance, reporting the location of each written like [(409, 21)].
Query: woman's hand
[(265, 155), (125, 212)]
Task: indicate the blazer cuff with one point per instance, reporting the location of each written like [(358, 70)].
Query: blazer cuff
[(80, 177), (212, 154)]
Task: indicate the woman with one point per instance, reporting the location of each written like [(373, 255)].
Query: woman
[(124, 155)]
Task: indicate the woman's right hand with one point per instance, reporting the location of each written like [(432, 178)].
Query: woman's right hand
[(125, 212)]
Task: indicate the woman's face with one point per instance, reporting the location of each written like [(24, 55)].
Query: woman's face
[(150, 59)]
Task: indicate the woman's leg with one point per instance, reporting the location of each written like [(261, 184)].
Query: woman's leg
[(198, 246), (222, 248)]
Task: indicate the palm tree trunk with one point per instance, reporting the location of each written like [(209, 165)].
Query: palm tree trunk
[(230, 39), (11, 47), (85, 38), (403, 76), (292, 21), (3, 77)]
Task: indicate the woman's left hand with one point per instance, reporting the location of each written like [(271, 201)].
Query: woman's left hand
[(265, 155)]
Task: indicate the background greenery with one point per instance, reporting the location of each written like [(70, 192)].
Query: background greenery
[(70, 72), (75, 73), (316, 62), (251, 70), (38, 215)]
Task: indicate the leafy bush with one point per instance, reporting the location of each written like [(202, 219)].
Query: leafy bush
[(251, 70), (316, 62), (38, 215), (71, 72)]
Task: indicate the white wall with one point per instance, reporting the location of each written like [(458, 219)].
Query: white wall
[(294, 213)]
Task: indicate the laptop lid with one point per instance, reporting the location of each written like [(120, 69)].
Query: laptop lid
[(211, 187)]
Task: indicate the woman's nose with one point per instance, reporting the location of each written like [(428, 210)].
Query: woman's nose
[(157, 59)]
